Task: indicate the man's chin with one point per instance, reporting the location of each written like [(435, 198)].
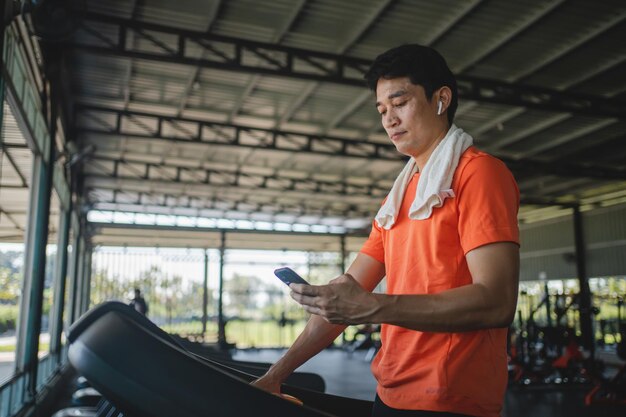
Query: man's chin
[(403, 150)]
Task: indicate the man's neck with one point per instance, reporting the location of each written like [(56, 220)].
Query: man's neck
[(423, 158)]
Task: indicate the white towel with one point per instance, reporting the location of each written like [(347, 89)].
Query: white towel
[(433, 186)]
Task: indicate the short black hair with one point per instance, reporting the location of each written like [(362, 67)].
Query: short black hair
[(423, 65)]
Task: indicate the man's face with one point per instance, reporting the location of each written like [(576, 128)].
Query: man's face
[(411, 121)]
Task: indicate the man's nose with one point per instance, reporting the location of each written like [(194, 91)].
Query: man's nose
[(390, 120)]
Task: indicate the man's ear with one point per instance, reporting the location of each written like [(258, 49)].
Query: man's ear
[(445, 96)]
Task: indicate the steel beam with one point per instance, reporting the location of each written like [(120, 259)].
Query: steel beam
[(237, 178), (5, 150), (96, 228), (141, 201), (142, 125), (134, 124), (171, 45), (9, 216)]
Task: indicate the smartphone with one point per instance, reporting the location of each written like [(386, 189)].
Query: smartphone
[(288, 276)]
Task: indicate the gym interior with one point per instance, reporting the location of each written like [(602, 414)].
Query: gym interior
[(186, 149)]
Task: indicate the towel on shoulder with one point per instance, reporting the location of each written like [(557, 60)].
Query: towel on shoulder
[(435, 179)]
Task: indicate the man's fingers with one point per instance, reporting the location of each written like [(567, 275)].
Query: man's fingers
[(305, 289), (312, 310), (304, 300), (323, 314)]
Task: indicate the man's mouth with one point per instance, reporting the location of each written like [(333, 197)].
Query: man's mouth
[(396, 135)]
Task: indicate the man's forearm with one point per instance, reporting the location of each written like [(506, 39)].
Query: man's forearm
[(488, 302), (315, 337), (319, 333), (466, 308)]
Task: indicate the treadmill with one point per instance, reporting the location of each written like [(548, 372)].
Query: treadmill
[(144, 372)]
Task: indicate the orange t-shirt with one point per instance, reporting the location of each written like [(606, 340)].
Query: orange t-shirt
[(454, 372)]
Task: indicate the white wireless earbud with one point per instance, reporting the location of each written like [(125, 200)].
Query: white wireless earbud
[(439, 107)]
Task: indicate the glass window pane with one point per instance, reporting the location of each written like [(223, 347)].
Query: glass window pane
[(16, 161)]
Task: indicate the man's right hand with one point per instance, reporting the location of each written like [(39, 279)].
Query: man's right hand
[(268, 383)]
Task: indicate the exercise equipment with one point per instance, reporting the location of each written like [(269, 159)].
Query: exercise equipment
[(549, 353), (81, 382), (87, 396), (143, 372), (306, 380), (76, 412), (612, 391), (102, 409)]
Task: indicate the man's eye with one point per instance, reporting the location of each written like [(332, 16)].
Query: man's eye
[(400, 104)]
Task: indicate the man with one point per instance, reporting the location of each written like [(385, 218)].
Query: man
[(450, 256), (139, 303)]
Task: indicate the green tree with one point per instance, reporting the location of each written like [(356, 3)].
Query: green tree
[(12, 260), (192, 299), (10, 285), (170, 293), (245, 294), (105, 287)]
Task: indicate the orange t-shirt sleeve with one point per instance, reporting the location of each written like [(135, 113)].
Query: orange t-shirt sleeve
[(488, 201), (373, 246)]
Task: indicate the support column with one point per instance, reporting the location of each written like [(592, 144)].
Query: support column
[(34, 285), (74, 277), (586, 326), (342, 262), (86, 293), (548, 304), (342, 266), (221, 325), (3, 25), (59, 287), (80, 278), (205, 292), (77, 280)]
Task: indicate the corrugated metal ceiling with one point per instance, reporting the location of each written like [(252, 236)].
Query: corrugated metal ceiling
[(570, 46)]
